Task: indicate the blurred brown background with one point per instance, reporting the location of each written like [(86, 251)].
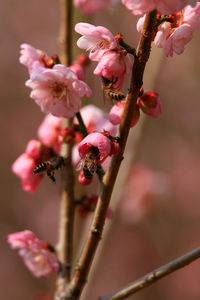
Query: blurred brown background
[(169, 145)]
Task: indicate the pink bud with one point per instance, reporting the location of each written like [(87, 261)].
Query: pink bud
[(82, 179), (39, 260), (115, 147), (34, 149), (150, 104), (116, 114)]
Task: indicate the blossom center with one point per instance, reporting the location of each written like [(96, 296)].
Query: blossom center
[(59, 90), (102, 44)]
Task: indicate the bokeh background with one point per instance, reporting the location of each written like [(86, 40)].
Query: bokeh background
[(157, 218)]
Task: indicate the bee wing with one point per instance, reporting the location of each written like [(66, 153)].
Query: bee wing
[(92, 166), (79, 165)]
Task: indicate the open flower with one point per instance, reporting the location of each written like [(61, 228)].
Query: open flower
[(30, 57), (38, 259), (96, 39), (58, 90), (113, 65), (98, 140)]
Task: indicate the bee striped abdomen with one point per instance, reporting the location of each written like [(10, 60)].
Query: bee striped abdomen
[(118, 96), (42, 167), (87, 174)]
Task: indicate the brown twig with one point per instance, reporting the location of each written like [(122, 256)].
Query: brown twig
[(85, 261), (66, 225), (154, 276)]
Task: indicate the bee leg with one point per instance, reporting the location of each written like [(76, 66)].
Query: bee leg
[(51, 176)]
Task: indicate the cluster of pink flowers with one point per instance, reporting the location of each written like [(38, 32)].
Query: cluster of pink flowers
[(103, 48), (149, 103), (37, 256), (163, 6), (57, 89), (175, 30)]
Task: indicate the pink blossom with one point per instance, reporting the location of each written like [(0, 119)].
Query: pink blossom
[(91, 115), (162, 34), (116, 114), (191, 16), (178, 39), (96, 39), (30, 57), (58, 90), (150, 104), (90, 6), (113, 65), (96, 139), (163, 6), (39, 260), (23, 167), (78, 70), (140, 23), (49, 131), (143, 185), (34, 149)]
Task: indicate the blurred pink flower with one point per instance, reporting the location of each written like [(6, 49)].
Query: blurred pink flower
[(96, 39), (39, 260), (49, 130), (58, 90), (178, 39), (95, 139), (163, 6), (162, 34), (116, 114), (150, 104), (34, 149), (113, 65), (78, 70), (191, 16), (23, 167), (90, 6), (143, 185)]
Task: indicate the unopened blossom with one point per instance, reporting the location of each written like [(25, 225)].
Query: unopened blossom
[(98, 140), (38, 259), (23, 167), (163, 6), (150, 104), (58, 90), (116, 111), (113, 65), (34, 149), (178, 39), (78, 70), (95, 39), (49, 130), (90, 6), (82, 179)]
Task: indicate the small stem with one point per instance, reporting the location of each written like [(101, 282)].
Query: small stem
[(82, 127), (154, 276)]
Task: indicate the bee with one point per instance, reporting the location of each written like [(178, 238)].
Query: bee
[(50, 166), (90, 162), (110, 92)]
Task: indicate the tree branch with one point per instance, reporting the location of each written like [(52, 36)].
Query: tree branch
[(85, 261), (67, 207), (153, 276)]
